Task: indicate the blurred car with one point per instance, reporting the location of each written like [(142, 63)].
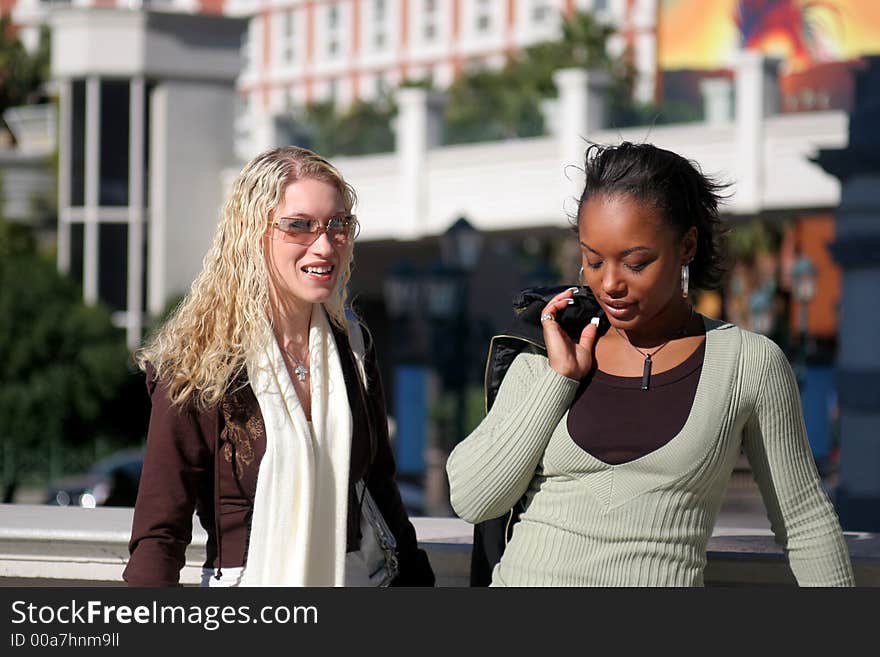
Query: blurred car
[(112, 481)]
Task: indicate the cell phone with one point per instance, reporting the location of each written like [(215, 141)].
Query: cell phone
[(575, 317)]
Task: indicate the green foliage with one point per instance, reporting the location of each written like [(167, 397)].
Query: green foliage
[(63, 361), (486, 104), (489, 104), (443, 415), (417, 83), (363, 128), (746, 240), (627, 112), (21, 74)]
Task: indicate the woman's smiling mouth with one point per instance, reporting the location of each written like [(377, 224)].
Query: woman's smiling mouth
[(319, 272)]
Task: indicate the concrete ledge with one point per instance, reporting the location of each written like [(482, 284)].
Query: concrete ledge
[(72, 544), (60, 546), (750, 557)]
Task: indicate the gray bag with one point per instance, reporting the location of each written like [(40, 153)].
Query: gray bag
[(375, 563)]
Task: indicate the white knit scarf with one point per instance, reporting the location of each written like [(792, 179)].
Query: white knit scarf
[(298, 529)]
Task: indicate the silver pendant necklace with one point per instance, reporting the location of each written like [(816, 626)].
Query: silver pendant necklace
[(299, 367), (646, 370)]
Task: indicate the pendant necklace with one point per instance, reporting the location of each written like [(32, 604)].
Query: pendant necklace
[(646, 370), (299, 367)]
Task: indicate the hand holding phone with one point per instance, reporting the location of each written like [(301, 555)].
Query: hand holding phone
[(570, 355)]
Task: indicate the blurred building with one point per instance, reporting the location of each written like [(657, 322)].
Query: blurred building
[(148, 124), (146, 102), (521, 195), (30, 15), (27, 183), (299, 52)]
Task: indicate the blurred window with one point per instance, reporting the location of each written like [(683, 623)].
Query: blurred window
[(114, 144), (78, 144)]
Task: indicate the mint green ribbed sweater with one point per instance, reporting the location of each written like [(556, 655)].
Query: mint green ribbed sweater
[(647, 522)]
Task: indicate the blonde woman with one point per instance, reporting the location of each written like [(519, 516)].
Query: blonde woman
[(268, 415)]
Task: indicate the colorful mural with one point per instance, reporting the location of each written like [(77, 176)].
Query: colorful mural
[(817, 41), (695, 34)]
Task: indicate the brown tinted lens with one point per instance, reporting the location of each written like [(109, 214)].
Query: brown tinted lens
[(296, 231), (339, 235), (342, 231), (339, 231), (296, 237)]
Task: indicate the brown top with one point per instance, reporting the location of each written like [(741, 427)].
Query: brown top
[(616, 421), (179, 478)]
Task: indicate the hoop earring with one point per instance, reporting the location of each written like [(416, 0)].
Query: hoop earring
[(581, 275), (685, 280)]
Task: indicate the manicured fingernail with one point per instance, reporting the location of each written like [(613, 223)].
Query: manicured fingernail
[(572, 289), (595, 321), (569, 301)]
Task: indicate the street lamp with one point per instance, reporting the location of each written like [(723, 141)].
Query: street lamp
[(460, 245), (446, 291), (408, 399), (460, 248), (429, 309), (803, 278), (442, 292), (761, 311), (401, 289)]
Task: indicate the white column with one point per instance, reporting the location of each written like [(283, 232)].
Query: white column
[(65, 123), (583, 99), (756, 98), (156, 266), (717, 100), (645, 48), (645, 90), (263, 136), (92, 180), (134, 294), (418, 128)]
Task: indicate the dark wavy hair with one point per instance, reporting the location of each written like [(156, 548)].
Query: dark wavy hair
[(676, 187)]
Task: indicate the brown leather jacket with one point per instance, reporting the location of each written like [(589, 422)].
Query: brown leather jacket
[(181, 475)]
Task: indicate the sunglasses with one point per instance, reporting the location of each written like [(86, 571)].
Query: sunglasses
[(305, 232)]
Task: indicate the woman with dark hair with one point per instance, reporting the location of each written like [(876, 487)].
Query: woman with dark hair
[(622, 442)]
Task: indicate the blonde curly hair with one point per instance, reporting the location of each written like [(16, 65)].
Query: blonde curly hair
[(208, 341)]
